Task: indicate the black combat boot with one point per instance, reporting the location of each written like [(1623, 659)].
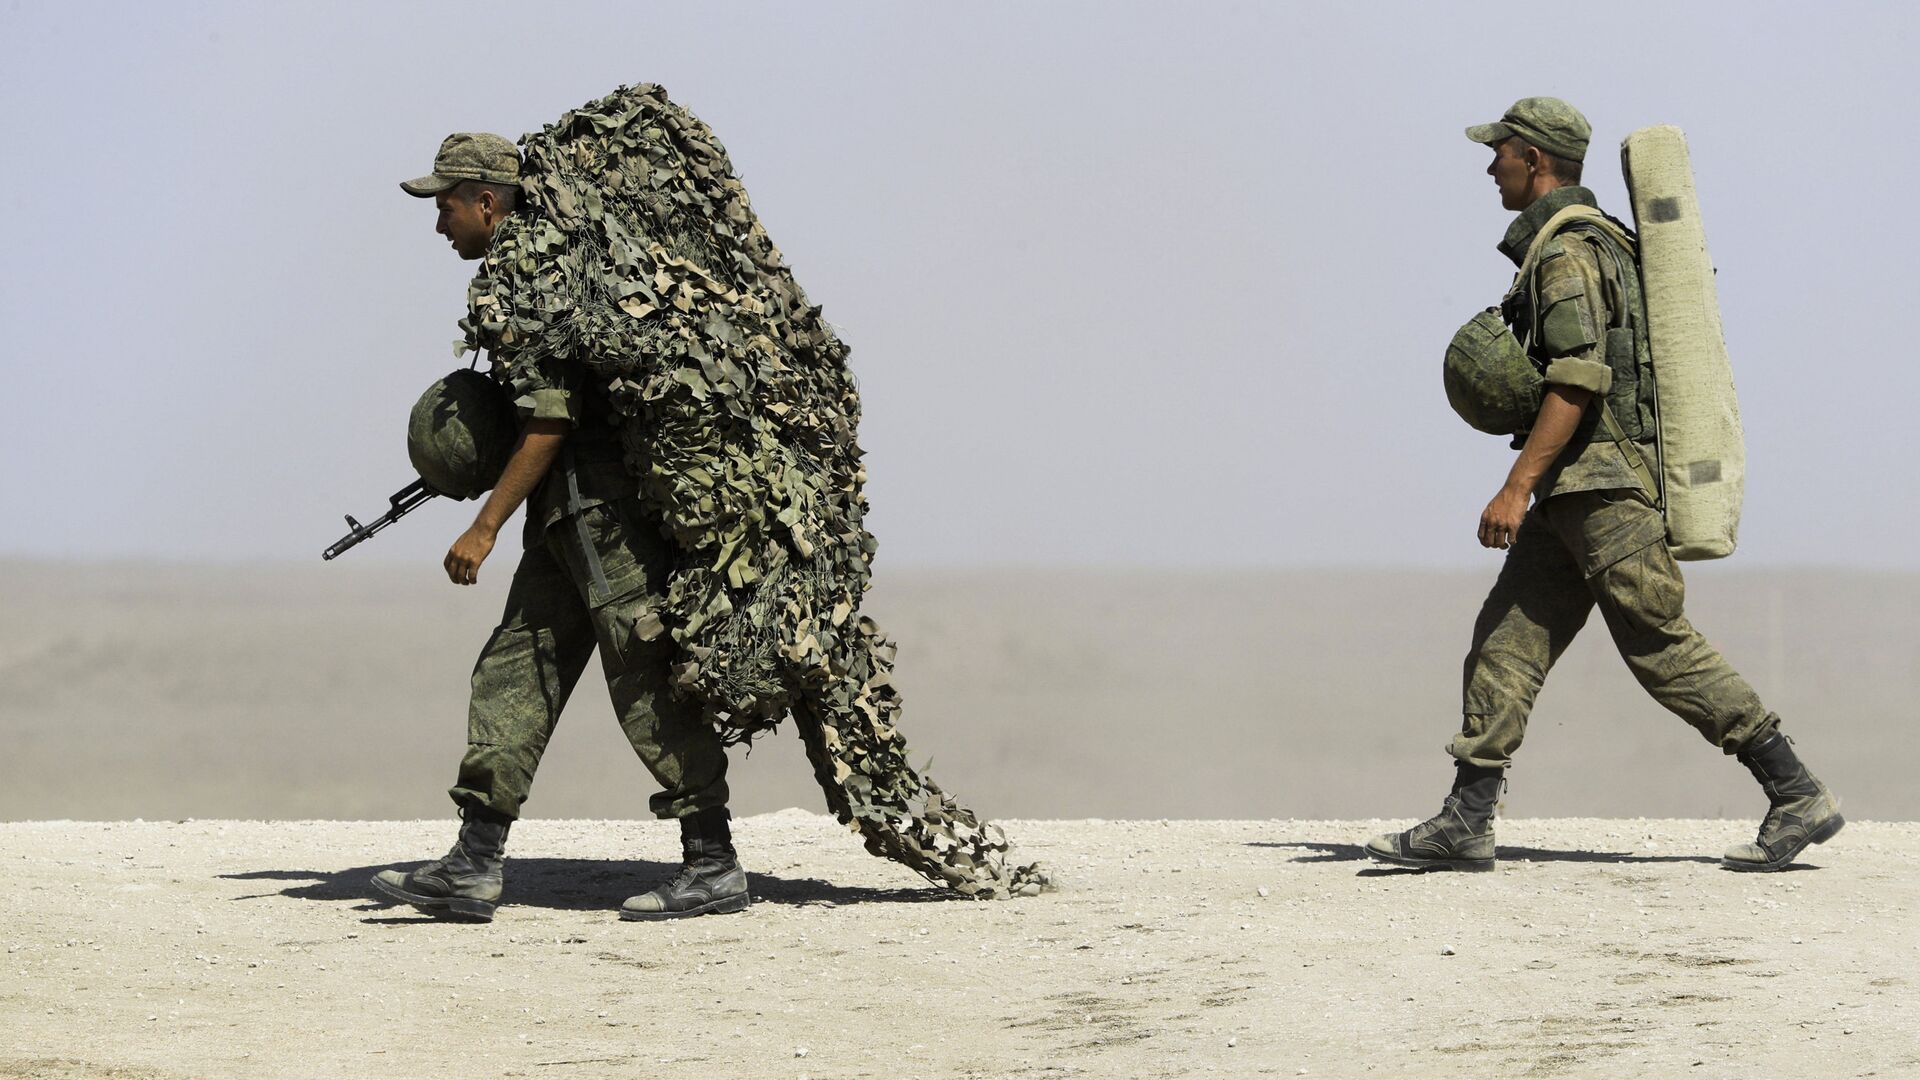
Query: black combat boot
[(466, 883), (710, 881), (1803, 810), (1459, 837)]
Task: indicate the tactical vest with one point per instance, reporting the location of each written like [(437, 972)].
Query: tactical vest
[(1628, 415), (1631, 398)]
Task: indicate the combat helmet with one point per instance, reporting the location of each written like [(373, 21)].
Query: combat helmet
[(1490, 381), (461, 433)]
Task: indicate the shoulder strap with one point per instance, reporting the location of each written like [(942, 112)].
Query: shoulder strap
[(597, 591), (1635, 460), (1584, 215)]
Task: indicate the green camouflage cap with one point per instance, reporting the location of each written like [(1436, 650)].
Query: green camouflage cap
[(1546, 122), (467, 155)]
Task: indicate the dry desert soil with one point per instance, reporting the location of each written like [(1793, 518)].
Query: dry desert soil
[(245, 941), (1600, 948)]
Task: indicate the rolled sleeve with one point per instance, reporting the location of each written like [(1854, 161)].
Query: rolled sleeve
[(542, 393), (546, 403), (1580, 373)]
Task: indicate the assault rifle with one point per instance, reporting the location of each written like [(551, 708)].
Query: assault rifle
[(397, 506)]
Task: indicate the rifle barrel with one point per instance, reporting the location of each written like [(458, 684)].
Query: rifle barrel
[(398, 504)]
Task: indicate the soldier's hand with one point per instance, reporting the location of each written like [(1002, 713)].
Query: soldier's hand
[(1500, 521), (467, 553)]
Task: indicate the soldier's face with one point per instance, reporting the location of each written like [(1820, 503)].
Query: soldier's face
[(464, 222), (1513, 174)]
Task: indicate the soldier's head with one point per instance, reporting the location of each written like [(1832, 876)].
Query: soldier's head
[(475, 184), (1539, 145)]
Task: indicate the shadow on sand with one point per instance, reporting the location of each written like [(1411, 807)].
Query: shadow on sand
[(572, 885), (1356, 853)]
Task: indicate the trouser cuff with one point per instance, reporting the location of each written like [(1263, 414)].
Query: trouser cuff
[(1768, 724), (479, 805), (668, 807)]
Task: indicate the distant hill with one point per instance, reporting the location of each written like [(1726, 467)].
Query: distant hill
[(339, 691)]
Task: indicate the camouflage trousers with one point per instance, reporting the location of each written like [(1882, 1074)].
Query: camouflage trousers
[(1575, 552), (555, 618)]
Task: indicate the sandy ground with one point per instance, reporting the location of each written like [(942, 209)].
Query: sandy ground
[(1609, 945), (1602, 948)]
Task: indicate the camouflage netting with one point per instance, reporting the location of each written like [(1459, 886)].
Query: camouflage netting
[(637, 256)]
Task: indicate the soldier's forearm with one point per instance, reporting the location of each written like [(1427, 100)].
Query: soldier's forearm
[(1560, 413), (533, 456)]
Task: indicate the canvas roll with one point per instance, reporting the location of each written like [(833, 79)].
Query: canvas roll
[(1702, 448)]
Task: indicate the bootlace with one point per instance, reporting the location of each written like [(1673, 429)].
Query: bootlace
[(1772, 821), (1448, 809), (687, 874)]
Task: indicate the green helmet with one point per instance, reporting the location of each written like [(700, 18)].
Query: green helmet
[(1490, 381), (461, 433)]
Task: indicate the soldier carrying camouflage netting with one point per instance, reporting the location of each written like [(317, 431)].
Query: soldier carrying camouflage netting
[(686, 435)]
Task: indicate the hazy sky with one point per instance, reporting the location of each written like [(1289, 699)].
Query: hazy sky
[(1154, 284)]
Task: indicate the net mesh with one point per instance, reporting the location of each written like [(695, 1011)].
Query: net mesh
[(637, 256)]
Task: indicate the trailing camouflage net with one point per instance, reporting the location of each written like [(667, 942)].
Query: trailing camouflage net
[(636, 255)]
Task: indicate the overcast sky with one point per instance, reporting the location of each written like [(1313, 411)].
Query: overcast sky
[(1129, 284)]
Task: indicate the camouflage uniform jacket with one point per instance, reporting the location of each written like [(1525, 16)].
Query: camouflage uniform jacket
[(562, 390), (1579, 294)]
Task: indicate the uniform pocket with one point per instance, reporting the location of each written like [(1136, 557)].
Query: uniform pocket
[(629, 628), (619, 543), (1613, 524), (1624, 395), (634, 558)]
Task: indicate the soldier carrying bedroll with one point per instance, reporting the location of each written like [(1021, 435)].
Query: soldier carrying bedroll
[(1617, 418)]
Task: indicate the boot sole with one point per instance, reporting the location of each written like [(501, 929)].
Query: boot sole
[(1827, 830), (455, 908), (725, 905), (1470, 866)]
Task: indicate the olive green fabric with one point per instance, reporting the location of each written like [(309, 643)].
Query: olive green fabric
[(549, 630), (546, 405), (467, 155), (1703, 448), (1575, 552), (1546, 122), (1490, 381), (595, 452), (1583, 323), (636, 268), (460, 434)]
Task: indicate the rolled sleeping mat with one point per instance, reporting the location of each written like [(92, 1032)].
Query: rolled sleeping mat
[(1703, 456)]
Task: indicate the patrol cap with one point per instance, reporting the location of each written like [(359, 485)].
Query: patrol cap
[(467, 155), (1546, 122)]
